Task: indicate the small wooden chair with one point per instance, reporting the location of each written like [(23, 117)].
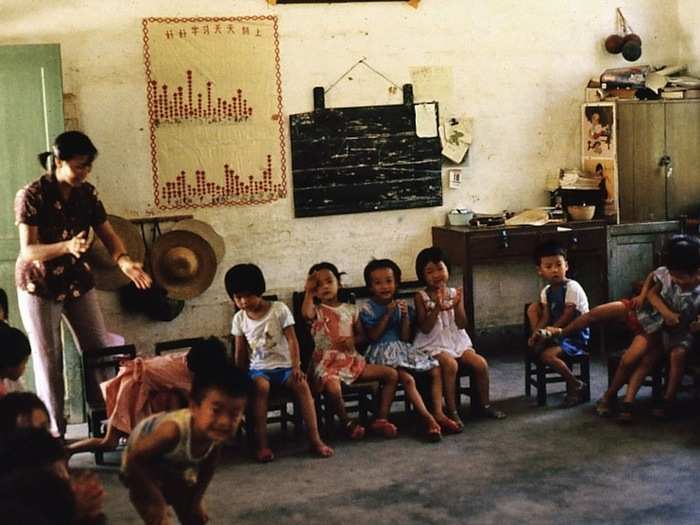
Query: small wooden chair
[(538, 375), (176, 345), (103, 363)]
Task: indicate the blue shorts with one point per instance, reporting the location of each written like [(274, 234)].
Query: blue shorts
[(279, 376)]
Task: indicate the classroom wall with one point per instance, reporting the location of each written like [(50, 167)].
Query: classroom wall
[(519, 70), (689, 17)]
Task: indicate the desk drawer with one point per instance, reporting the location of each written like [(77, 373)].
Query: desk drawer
[(497, 244)]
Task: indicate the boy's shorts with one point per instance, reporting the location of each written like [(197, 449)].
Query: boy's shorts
[(278, 376), (631, 319)]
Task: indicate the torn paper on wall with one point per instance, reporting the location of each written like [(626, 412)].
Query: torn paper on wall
[(456, 137), (426, 120)]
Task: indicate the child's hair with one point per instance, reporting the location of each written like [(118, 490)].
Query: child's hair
[(207, 355), (229, 379), (377, 264), (548, 249), (244, 278), (29, 448), (683, 254), (18, 405), (67, 146), (430, 255), (5, 314), (36, 496), (14, 346), (327, 266)]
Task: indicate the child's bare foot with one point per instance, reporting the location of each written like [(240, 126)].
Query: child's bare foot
[(264, 455), (322, 450)]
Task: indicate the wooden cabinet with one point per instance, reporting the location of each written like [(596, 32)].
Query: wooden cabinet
[(634, 250), (658, 159)]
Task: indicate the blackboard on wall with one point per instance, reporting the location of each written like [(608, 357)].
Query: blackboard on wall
[(359, 159)]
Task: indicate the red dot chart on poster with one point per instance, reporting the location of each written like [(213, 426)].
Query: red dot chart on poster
[(215, 111)]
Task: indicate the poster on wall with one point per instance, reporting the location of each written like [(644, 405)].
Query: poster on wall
[(599, 152), (215, 111)]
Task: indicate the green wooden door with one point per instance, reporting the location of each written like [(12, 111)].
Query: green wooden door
[(31, 115), (683, 148)]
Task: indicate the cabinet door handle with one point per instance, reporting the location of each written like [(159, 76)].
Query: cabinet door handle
[(504, 239)]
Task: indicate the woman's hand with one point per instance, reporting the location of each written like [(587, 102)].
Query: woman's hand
[(134, 271), (78, 245)]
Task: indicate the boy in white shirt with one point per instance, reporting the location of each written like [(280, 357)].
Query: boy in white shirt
[(561, 301)]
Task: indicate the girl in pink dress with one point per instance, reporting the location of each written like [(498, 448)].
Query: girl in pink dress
[(147, 386), (336, 328)]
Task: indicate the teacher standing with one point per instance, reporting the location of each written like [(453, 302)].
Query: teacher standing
[(54, 215)]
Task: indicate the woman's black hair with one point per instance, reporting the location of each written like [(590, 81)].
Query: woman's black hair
[(67, 146), (14, 346), (228, 379), (16, 404), (327, 266), (207, 355), (683, 254), (429, 255), (376, 264), (244, 278)]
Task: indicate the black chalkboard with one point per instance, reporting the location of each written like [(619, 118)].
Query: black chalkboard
[(359, 159)]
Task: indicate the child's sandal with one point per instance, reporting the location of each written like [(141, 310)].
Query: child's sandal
[(454, 416), (354, 430), (449, 426), (264, 455), (603, 408), (433, 432), (384, 428), (625, 415)]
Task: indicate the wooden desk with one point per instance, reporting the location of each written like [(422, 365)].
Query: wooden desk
[(468, 247)]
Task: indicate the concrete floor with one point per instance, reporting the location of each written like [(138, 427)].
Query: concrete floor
[(540, 465)]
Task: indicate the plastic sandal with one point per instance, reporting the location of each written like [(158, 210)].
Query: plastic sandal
[(433, 432), (264, 455), (354, 430), (449, 426), (384, 428), (625, 415)]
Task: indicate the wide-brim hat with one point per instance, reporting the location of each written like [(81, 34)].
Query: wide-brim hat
[(206, 232), (183, 263), (106, 271)]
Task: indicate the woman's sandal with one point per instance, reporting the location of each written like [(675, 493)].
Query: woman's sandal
[(354, 430), (384, 428), (264, 455), (433, 432)]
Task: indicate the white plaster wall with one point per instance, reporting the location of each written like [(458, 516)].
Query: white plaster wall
[(689, 17), (519, 70)]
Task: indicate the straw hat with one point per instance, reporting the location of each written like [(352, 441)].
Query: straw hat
[(206, 232), (183, 263), (107, 274)]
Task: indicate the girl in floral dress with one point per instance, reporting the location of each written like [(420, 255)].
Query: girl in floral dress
[(387, 323), (336, 328)]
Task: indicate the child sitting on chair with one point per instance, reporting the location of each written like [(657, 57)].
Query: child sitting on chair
[(662, 316), (441, 322), (561, 301), (336, 328), (135, 392), (267, 347), (170, 457)]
